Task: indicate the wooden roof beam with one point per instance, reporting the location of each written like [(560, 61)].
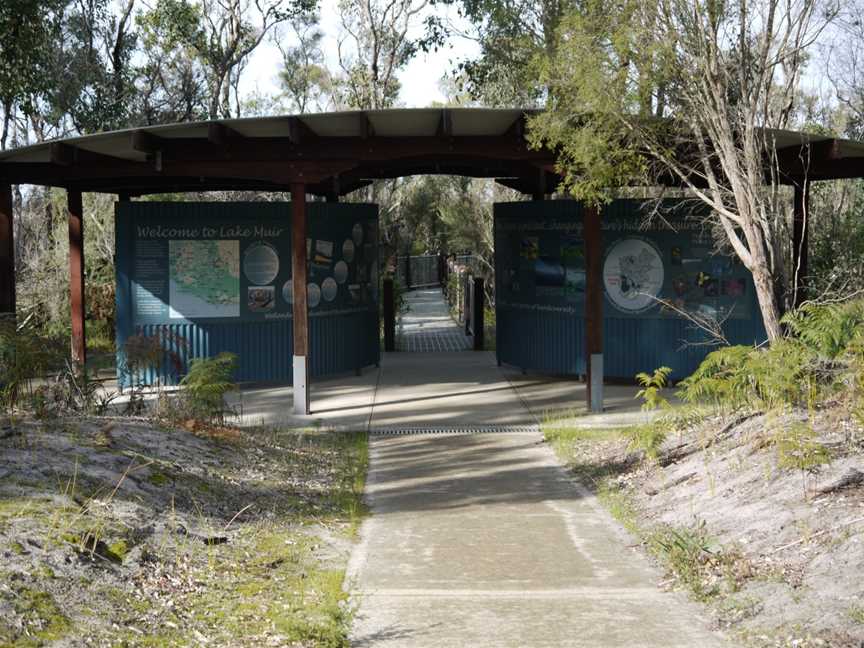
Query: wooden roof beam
[(517, 128), (145, 142), (67, 155), (816, 158), (62, 154), (367, 130), (149, 144), (299, 132), (445, 125), (220, 134)]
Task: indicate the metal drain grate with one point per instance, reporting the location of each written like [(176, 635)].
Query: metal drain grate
[(471, 429)]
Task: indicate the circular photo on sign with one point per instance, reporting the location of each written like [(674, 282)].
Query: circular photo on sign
[(348, 250), (340, 272), (329, 289), (633, 274), (288, 291), (313, 295), (357, 233), (261, 263)]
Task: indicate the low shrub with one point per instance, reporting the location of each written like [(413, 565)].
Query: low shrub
[(821, 357), (24, 356), (204, 387), (652, 388)]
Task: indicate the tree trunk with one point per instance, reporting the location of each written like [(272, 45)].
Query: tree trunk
[(767, 302)]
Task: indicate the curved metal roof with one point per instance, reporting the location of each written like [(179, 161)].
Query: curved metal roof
[(333, 153)]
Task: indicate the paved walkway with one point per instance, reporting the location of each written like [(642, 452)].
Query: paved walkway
[(483, 540), (427, 325)]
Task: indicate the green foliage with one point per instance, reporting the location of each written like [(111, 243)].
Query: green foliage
[(648, 437), (836, 235), (206, 384), (512, 36), (798, 449), (652, 388), (822, 356), (827, 329), (720, 379), (761, 379), (697, 560), (24, 357), (26, 28), (602, 75)]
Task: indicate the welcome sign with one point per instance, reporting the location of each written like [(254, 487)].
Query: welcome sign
[(229, 269), (218, 277)]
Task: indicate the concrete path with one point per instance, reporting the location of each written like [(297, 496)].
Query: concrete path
[(446, 389), (427, 325), (483, 540)]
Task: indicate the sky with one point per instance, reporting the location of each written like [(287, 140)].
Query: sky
[(420, 80)]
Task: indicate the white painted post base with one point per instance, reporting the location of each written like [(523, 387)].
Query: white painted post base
[(596, 382), (301, 386)]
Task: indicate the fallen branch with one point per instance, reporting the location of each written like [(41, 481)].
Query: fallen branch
[(670, 484), (816, 535), (207, 540), (853, 477), (237, 514)]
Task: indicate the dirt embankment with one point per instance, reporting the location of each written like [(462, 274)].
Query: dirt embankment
[(775, 551), (116, 532)]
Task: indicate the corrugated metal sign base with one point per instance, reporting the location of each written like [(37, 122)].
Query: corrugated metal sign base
[(455, 430)]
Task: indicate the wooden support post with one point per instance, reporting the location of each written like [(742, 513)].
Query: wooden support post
[(469, 302), (76, 275), (408, 271), (800, 241), (477, 313), (300, 307), (389, 315), (7, 254), (593, 236)]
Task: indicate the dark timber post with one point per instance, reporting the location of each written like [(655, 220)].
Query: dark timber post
[(593, 236), (300, 308), (76, 275), (477, 314), (389, 316), (408, 271), (800, 240), (7, 254)]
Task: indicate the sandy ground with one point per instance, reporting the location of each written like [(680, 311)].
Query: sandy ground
[(121, 532), (788, 563)]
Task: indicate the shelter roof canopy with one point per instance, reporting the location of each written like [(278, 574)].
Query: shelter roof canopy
[(335, 153)]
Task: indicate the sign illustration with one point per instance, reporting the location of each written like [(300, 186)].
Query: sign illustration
[(633, 274), (204, 278)]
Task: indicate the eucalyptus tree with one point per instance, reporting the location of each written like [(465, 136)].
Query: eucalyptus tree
[(514, 36), (379, 38), (27, 30), (307, 83), (221, 35), (688, 90)]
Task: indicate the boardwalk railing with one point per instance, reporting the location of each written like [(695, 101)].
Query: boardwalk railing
[(419, 271), (465, 292)]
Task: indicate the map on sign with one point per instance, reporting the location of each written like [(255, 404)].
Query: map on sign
[(633, 274), (204, 278)]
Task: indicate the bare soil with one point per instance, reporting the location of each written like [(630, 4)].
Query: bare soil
[(780, 558), (118, 532)]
